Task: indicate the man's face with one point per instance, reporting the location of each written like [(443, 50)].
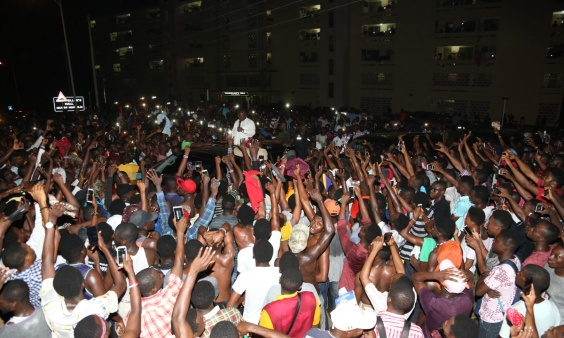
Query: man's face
[(316, 225), (242, 115), (556, 258), (436, 191), (493, 227), (547, 180), (447, 327), (498, 245), (535, 233)]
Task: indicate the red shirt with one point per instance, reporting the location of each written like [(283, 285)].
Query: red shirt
[(355, 255)]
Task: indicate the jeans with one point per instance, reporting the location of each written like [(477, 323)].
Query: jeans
[(333, 294), (323, 290), (489, 330)]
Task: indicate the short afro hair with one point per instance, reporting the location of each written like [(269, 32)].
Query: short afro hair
[(246, 215), (146, 279), (71, 247), (502, 218), (16, 291), (445, 226), (511, 238), (288, 261), (228, 203), (116, 207), (166, 246), (401, 222), (550, 233), (203, 295), (481, 192), (263, 251), (13, 255), (68, 281), (421, 198), (224, 329), (371, 232), (540, 277), (291, 280), (191, 249), (402, 294), (464, 327), (262, 229), (476, 215), (89, 326), (127, 231)]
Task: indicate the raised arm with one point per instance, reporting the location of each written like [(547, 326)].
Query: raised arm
[(180, 227), (325, 238), (119, 279), (179, 324), (48, 255), (183, 163), (133, 328)]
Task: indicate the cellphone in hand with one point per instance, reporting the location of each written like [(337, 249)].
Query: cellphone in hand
[(430, 166), (351, 192), (496, 191), (539, 208), (204, 171), (89, 195), (92, 233), (198, 165), (261, 159), (139, 176), (500, 172), (387, 237), (178, 213), (18, 214), (468, 231), (121, 251), (527, 285)]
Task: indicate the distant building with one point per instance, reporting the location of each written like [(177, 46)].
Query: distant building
[(434, 55)]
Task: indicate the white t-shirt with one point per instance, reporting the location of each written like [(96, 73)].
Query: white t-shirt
[(245, 259), (61, 320), (255, 283), (546, 315), (468, 253)]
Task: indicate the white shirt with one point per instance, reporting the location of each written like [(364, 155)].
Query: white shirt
[(245, 259), (61, 320), (255, 283), (468, 253), (249, 130), (546, 315)]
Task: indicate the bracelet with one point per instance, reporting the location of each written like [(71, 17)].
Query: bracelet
[(412, 222), (95, 214), (132, 285), (224, 231), (231, 170), (185, 156), (229, 151), (43, 208), (254, 158)]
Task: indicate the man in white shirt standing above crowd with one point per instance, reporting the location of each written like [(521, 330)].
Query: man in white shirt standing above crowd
[(244, 128)]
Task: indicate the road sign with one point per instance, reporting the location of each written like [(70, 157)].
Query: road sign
[(236, 93), (71, 104)]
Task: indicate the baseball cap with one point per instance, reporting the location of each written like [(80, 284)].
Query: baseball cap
[(332, 207), (140, 217), (123, 189), (298, 238), (451, 286), (187, 185), (350, 316)]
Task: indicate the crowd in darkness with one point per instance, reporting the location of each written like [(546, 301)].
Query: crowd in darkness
[(111, 227)]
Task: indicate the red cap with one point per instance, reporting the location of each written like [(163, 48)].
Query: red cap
[(187, 185)]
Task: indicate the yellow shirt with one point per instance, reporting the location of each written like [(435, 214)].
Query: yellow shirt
[(130, 169), (265, 318)]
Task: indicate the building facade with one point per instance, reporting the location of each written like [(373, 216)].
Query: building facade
[(466, 56)]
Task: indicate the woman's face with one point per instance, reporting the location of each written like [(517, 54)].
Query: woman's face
[(556, 258)]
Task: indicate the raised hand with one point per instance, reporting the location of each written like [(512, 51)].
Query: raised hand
[(377, 244), (180, 225), (38, 194), (155, 177), (315, 195), (202, 261)]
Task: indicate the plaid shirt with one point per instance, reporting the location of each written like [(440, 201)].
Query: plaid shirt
[(32, 277), (218, 315), (156, 310), (163, 215), (204, 219)]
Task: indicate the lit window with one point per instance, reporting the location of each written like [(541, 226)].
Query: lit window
[(192, 7), (92, 24), (308, 12), (117, 68), (156, 66), (121, 19), (113, 36), (194, 62), (124, 51), (268, 58), (268, 37), (310, 34)]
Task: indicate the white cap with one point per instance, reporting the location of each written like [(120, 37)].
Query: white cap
[(350, 316)]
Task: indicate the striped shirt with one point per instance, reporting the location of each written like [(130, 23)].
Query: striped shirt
[(418, 230), (393, 324)]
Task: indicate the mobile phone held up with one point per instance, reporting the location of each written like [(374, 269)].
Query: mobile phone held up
[(121, 252), (89, 195), (92, 233), (178, 213)]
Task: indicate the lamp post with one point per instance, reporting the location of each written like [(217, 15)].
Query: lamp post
[(60, 4), (505, 99), (15, 84)]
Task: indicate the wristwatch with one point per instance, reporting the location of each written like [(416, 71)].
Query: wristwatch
[(49, 225)]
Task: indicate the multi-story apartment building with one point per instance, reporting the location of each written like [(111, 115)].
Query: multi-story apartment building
[(461, 56)]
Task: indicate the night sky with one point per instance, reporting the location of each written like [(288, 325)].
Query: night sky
[(31, 41)]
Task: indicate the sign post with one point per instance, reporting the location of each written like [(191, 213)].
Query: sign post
[(69, 103)]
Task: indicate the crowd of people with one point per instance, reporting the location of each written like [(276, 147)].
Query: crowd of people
[(457, 238)]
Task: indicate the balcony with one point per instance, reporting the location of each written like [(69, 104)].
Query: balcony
[(309, 13), (379, 7), (196, 62), (379, 32), (310, 36)]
